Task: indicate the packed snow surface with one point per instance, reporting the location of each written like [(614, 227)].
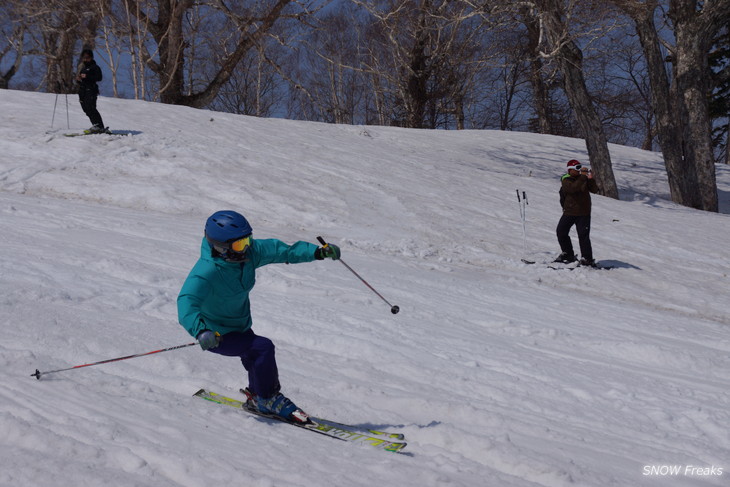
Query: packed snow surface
[(499, 373)]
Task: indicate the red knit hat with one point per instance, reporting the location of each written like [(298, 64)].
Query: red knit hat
[(573, 164)]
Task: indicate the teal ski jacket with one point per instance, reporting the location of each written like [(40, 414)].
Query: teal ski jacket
[(215, 294)]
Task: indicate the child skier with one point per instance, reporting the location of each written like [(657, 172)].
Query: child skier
[(213, 305)]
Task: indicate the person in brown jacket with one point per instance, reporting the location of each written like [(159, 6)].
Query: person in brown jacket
[(575, 197)]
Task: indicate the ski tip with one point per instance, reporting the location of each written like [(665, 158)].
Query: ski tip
[(392, 436)]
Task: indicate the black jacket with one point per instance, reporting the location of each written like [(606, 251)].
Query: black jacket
[(93, 76)]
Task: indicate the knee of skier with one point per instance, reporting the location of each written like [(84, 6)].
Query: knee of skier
[(265, 345)]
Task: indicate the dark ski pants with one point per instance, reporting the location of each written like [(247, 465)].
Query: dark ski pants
[(583, 227), (87, 97), (257, 357)]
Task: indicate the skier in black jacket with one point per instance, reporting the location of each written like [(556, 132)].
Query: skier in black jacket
[(89, 73)]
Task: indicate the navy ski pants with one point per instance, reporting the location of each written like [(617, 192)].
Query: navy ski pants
[(257, 357)]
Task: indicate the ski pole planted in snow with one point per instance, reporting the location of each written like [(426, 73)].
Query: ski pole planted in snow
[(393, 309), (53, 118), (523, 216), (68, 121), (38, 373)]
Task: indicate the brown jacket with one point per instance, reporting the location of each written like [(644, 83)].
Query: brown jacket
[(577, 193)]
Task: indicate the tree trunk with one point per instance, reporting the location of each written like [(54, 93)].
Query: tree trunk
[(589, 121), (667, 111), (681, 107), (246, 43), (5, 78), (459, 113), (648, 142), (417, 78), (570, 60), (539, 90), (692, 76), (168, 33), (17, 38), (60, 69), (170, 38)]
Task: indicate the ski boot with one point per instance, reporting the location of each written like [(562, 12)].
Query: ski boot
[(277, 405), (565, 258), (97, 129), (588, 262)]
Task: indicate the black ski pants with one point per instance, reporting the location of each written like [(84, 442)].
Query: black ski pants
[(87, 97), (583, 227)]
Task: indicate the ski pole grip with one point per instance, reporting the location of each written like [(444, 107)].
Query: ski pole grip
[(321, 240)]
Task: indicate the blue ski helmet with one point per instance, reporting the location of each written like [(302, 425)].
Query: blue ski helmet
[(222, 229)]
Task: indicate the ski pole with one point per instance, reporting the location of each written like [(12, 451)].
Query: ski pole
[(523, 216), (53, 118), (393, 309), (524, 220), (38, 373), (68, 121), (522, 202)]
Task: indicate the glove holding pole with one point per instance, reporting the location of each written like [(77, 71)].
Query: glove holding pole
[(333, 252), (208, 339), (327, 251)]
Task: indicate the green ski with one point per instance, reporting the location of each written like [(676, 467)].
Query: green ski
[(381, 440)]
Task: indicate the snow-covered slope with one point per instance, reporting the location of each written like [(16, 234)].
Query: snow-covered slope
[(499, 373)]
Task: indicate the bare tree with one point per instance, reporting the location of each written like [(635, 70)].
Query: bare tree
[(254, 87), (565, 50), (53, 36), (679, 98), (327, 66), (54, 29), (694, 31), (422, 55), (112, 40), (632, 71), (134, 30), (539, 87), (12, 34), (246, 28), (617, 79)]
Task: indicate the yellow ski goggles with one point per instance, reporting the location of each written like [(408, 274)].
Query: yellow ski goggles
[(241, 244)]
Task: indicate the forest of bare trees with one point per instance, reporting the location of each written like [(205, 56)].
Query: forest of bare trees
[(649, 73)]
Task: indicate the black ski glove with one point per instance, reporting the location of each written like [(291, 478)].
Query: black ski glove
[(329, 251), (208, 339)]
